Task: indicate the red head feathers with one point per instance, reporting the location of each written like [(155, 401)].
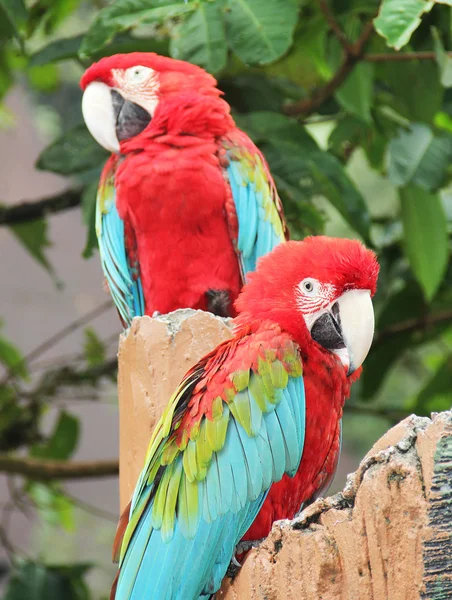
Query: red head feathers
[(316, 290), (174, 74), (132, 98)]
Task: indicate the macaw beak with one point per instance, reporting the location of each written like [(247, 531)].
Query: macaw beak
[(131, 118), (347, 328), (111, 118)]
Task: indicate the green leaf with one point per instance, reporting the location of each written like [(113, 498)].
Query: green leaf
[(68, 48), (255, 92), (380, 362), (33, 235), (333, 182), (407, 303), (73, 152), (13, 16), (398, 19), (63, 441), (351, 132), (17, 426), (55, 51), (32, 581), (89, 198), (305, 63), (426, 239), (416, 87), (260, 32), (294, 156), (356, 94), (268, 126), (435, 395), (443, 59), (12, 358), (48, 14), (44, 78), (94, 348), (417, 156), (443, 121), (53, 505), (128, 14), (200, 38)]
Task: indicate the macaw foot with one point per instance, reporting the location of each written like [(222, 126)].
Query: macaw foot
[(156, 313), (240, 550), (218, 302)]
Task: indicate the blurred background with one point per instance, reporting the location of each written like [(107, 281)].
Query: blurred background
[(352, 109)]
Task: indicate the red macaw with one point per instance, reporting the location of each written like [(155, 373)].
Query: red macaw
[(263, 407), (186, 203)]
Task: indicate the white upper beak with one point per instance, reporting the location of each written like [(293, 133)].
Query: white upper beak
[(357, 325), (97, 109)]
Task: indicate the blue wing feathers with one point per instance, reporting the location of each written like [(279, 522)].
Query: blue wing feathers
[(257, 234), (125, 286), (194, 563)]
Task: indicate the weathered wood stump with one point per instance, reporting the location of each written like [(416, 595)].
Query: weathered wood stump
[(387, 535), (154, 355)]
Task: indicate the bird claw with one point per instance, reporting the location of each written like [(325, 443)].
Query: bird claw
[(235, 562), (156, 313)]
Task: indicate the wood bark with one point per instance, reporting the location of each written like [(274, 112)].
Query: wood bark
[(387, 535), (154, 355)]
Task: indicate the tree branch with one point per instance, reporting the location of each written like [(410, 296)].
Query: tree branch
[(401, 56), (353, 54), (29, 211), (52, 381), (334, 26), (46, 470), (411, 325)]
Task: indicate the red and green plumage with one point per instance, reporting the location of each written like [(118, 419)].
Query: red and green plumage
[(195, 199), (263, 407), (233, 427)]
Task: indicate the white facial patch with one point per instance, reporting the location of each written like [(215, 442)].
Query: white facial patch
[(313, 302), (139, 85)]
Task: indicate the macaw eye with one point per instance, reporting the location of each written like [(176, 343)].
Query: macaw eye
[(138, 74), (310, 287)]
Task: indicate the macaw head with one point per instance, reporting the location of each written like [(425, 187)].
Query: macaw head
[(318, 290), (128, 95)]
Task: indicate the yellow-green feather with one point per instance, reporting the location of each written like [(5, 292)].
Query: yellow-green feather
[(203, 448), (263, 368), (240, 379), (189, 461), (188, 505), (217, 408), (216, 431), (160, 498), (169, 513), (278, 374)]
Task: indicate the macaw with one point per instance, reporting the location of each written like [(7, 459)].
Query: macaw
[(186, 202), (263, 407)]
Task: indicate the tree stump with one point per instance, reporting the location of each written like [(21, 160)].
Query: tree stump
[(387, 535), (154, 355)]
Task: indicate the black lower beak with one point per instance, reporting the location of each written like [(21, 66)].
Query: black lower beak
[(131, 119), (327, 331)]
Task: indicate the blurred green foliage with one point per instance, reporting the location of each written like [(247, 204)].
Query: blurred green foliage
[(365, 153)]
